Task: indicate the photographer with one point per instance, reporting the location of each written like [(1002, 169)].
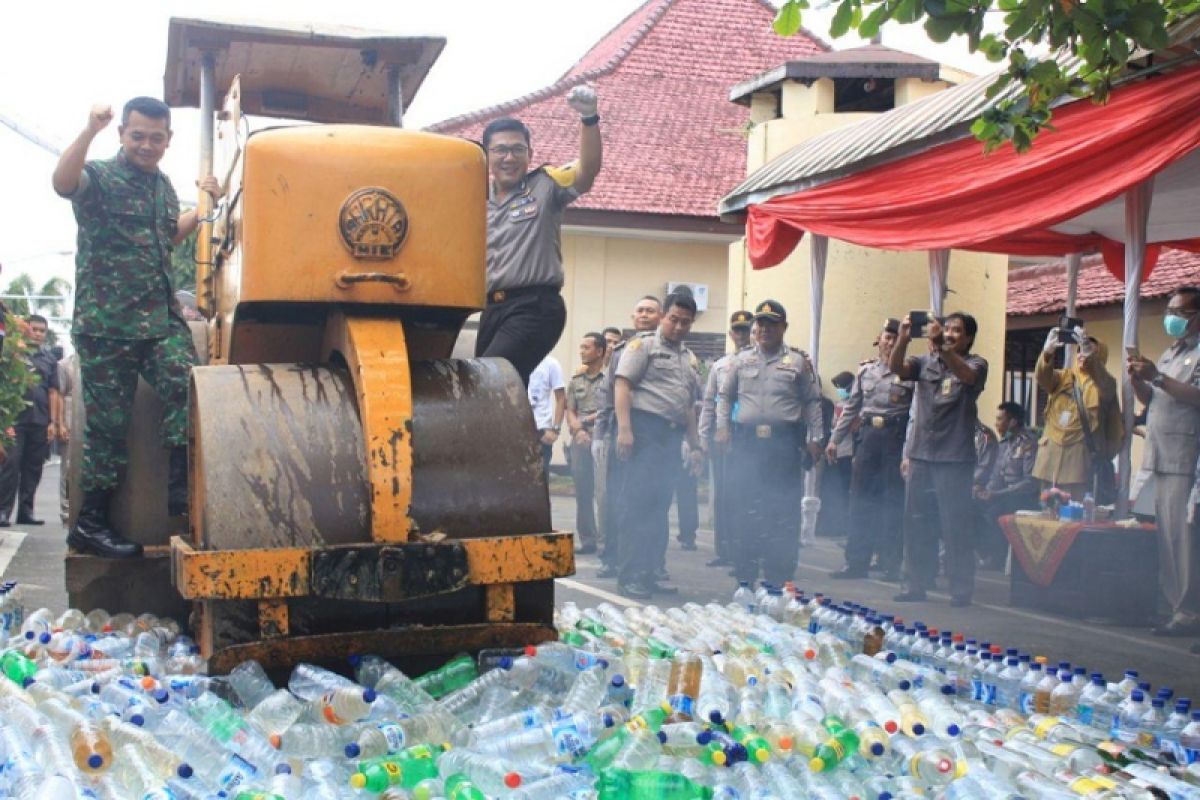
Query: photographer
[(1082, 418), (941, 452)]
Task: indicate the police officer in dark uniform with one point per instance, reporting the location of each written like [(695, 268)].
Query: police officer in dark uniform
[(525, 313), (654, 404), (1011, 485), (986, 448), (739, 335), (881, 402), (769, 413), (646, 315), (949, 379)]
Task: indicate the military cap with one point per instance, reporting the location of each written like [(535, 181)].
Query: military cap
[(770, 310), (891, 325), (741, 319)]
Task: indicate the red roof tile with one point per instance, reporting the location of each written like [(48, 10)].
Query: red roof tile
[(673, 143), (1042, 288)]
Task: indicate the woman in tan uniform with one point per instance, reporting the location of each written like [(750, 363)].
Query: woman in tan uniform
[(1064, 458)]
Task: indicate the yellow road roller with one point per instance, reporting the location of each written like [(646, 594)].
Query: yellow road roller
[(353, 488)]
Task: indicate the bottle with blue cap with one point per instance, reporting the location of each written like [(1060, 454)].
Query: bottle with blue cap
[(1129, 717), (1008, 684), (164, 761)]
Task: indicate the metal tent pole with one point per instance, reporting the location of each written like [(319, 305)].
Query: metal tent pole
[(1137, 215)]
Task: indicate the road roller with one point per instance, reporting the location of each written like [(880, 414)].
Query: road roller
[(353, 488)]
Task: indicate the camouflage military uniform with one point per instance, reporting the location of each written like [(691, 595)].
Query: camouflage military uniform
[(127, 321)]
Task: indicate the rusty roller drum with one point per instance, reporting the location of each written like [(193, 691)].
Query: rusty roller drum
[(279, 461)]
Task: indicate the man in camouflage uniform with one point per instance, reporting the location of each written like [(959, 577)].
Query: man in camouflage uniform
[(127, 321)]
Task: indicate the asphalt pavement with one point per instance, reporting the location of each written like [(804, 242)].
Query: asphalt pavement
[(34, 556)]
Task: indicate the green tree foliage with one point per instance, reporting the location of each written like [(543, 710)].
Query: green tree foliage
[(16, 376), (1101, 33)]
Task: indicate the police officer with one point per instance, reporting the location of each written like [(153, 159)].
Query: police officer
[(525, 313), (986, 448), (880, 402), (647, 313), (739, 337), (1011, 485), (127, 319), (768, 412), (582, 410), (654, 404), (1171, 389), (949, 380)]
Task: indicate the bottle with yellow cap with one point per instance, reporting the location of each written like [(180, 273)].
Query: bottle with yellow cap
[(841, 743), (604, 751), (758, 749), (406, 769)]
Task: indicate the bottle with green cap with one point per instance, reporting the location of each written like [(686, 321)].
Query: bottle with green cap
[(620, 784), (17, 667), (842, 742), (459, 787), (454, 674)]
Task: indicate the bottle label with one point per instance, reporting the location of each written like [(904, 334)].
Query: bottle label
[(1191, 755), (534, 717), (682, 705), (1044, 726), (977, 690), (1085, 713), (237, 773), (567, 741), (990, 691), (1063, 750), (394, 735)]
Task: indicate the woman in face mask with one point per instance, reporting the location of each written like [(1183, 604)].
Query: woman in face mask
[(1076, 460)]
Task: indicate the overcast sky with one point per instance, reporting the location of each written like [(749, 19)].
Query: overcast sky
[(56, 59)]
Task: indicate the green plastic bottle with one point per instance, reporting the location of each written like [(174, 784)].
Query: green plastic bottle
[(621, 784), (758, 749), (454, 674), (841, 743), (605, 750), (17, 667), (406, 768), (459, 787)]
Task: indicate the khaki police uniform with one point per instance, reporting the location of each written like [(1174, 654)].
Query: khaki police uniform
[(771, 405), (1173, 444), (662, 380), (881, 401), (605, 432), (1011, 487), (942, 459), (722, 527), (583, 402), (525, 313)]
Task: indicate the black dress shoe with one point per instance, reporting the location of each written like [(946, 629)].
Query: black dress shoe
[(719, 561), (607, 571), (661, 574), (1178, 627), (29, 521), (845, 573), (960, 602), (689, 546), (890, 577), (634, 590), (92, 532), (910, 596), (586, 550), (662, 588)]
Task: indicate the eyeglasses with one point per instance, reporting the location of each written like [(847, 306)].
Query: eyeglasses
[(500, 150)]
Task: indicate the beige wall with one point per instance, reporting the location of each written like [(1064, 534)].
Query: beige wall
[(863, 286), (607, 273)]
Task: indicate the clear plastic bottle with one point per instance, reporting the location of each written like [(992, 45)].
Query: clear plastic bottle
[(317, 740), (991, 681), (275, 713), (249, 680), (1189, 741), (553, 787), (225, 725), (494, 774), (214, 764), (377, 674), (651, 691), (1045, 687), (164, 761), (1129, 717), (743, 597), (520, 675), (1088, 700), (1150, 725), (1128, 683), (91, 749), (1065, 697), (587, 691), (1172, 728)]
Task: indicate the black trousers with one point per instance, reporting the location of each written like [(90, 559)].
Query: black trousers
[(522, 329), (645, 498), (722, 529), (687, 507), (877, 499), (613, 516), (766, 484), (22, 472), (989, 539), (938, 503), (834, 519)]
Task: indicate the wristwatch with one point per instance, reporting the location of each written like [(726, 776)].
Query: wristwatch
[(1157, 380)]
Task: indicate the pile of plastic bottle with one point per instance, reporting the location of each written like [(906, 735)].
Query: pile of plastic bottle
[(774, 695)]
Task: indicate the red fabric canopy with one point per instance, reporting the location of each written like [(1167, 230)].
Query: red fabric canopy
[(954, 196)]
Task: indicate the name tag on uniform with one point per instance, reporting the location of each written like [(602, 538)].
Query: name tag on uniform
[(947, 384), (524, 208), (1064, 419), (763, 431)]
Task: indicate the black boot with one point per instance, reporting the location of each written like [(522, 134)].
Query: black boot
[(92, 532), (177, 483)]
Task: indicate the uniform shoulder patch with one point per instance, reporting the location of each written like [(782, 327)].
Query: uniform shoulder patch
[(634, 344), (564, 176)]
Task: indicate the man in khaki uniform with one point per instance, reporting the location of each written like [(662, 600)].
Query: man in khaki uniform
[(1171, 390), (768, 414), (583, 406), (653, 399)]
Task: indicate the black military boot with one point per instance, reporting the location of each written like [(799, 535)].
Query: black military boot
[(92, 532), (177, 483)]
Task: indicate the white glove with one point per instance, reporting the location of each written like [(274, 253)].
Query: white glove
[(1052, 342), (583, 99)]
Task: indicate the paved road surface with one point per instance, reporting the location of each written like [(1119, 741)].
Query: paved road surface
[(34, 557)]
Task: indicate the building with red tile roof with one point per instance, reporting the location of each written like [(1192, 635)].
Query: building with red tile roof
[(1042, 288)]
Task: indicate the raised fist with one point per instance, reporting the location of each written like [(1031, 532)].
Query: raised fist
[(99, 117), (583, 100)]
